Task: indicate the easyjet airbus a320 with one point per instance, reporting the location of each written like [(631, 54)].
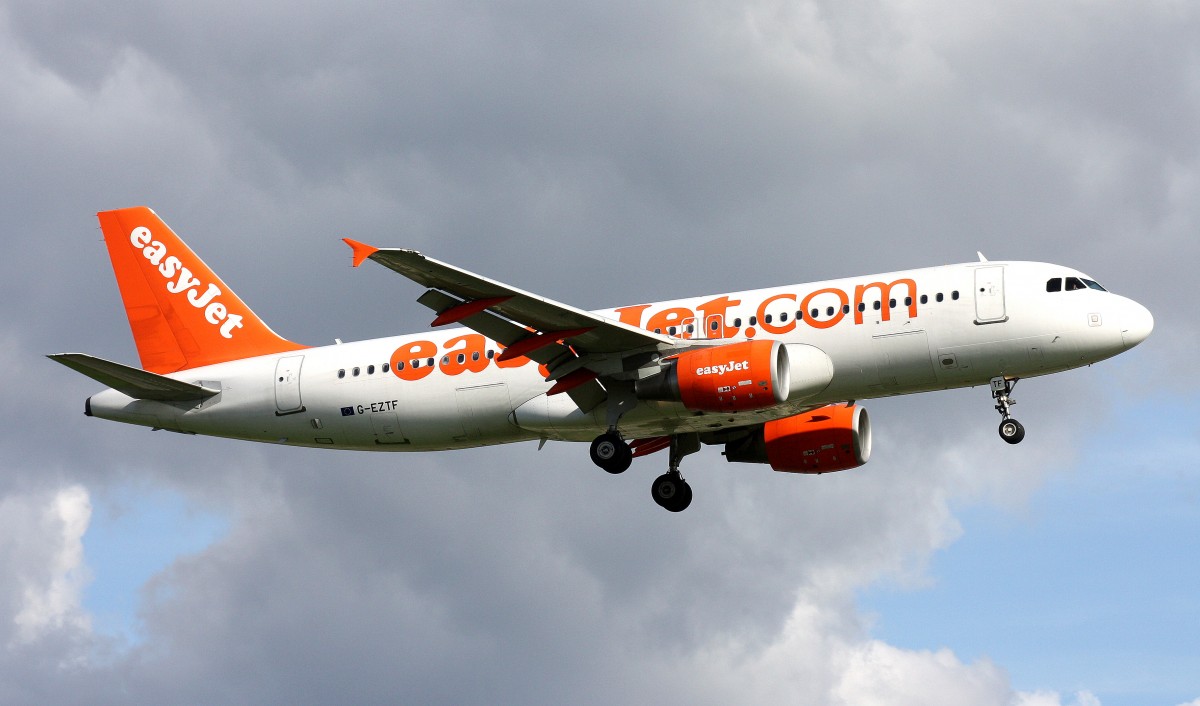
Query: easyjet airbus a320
[(772, 375)]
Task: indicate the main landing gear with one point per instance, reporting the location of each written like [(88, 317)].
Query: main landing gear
[(670, 491), (1011, 430), (610, 452)]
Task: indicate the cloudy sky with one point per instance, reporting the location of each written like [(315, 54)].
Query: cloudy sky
[(601, 154)]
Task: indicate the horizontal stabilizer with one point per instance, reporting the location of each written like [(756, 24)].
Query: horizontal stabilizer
[(135, 382)]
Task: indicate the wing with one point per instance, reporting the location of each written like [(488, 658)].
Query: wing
[(577, 346)]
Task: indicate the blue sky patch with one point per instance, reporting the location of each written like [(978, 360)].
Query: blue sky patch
[(134, 534)]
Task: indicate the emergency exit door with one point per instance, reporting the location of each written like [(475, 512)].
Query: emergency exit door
[(287, 385), (989, 295)]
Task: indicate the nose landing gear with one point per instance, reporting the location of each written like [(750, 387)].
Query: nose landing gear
[(1011, 430)]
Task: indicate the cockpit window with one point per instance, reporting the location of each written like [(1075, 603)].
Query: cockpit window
[(1073, 284)]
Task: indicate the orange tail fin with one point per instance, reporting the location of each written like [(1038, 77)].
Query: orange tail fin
[(182, 315)]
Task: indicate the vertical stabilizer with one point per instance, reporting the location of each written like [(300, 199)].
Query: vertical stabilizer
[(182, 315)]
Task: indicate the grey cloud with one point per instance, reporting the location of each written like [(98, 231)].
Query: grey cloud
[(600, 156)]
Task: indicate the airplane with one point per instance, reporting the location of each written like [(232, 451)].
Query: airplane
[(773, 375)]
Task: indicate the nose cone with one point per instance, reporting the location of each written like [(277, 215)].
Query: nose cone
[(1136, 324)]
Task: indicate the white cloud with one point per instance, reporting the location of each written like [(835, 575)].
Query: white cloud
[(878, 673), (42, 552), (1047, 698)]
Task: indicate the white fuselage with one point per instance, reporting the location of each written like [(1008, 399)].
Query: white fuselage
[(889, 334)]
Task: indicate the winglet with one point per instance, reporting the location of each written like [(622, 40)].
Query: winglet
[(361, 250)]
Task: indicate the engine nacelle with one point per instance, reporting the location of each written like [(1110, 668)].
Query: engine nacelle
[(741, 376), (730, 378), (832, 438)]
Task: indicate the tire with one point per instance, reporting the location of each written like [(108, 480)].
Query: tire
[(1012, 431), (671, 492), (683, 499), (611, 453)]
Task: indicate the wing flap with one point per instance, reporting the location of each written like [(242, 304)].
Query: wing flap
[(496, 328), (135, 382), (586, 395)]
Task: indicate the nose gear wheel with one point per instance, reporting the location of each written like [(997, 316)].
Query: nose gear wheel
[(1011, 430)]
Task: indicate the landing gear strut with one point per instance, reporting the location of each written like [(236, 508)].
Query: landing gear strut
[(610, 452), (670, 491), (1010, 429)]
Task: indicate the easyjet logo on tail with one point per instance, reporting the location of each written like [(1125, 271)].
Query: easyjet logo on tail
[(180, 280)]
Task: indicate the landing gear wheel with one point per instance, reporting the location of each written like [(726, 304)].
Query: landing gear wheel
[(671, 492), (1012, 431), (610, 452)]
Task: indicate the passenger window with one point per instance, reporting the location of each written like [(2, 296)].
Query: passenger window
[(491, 354), (671, 330), (891, 303), (691, 328), (399, 365), (445, 360), (924, 298), (714, 325), (862, 306), (462, 358), (356, 371), (939, 297), (475, 355), (430, 362), (954, 295), (416, 364), (799, 316), (783, 317), (908, 301), (341, 373), (878, 306), (386, 367), (815, 313), (754, 321), (737, 323), (370, 370), (1054, 285)]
